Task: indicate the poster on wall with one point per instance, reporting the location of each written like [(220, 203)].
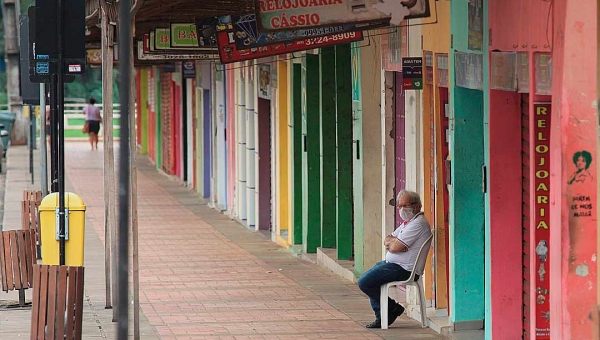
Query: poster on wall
[(428, 67), (247, 36), (286, 15), (412, 73), (541, 270), (264, 81), (469, 70), (442, 64), (523, 72), (229, 53), (393, 48), (476, 25), (504, 71), (543, 73)]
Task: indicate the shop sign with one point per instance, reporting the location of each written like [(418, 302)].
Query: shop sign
[(442, 70), (504, 71), (475, 25), (189, 69), (543, 73), (142, 56), (412, 73), (94, 55), (246, 32), (523, 72), (469, 70), (184, 36), (541, 271), (286, 15), (229, 53), (429, 67), (162, 39), (264, 81)]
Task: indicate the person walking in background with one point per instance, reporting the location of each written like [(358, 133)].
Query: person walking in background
[(92, 122)]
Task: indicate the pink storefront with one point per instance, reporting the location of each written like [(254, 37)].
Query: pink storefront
[(543, 168)]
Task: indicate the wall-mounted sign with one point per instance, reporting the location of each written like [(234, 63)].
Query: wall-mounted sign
[(246, 32), (94, 55), (469, 70), (543, 73), (142, 56), (184, 36), (286, 15), (504, 71), (541, 270), (412, 73), (229, 53), (162, 39), (189, 69)]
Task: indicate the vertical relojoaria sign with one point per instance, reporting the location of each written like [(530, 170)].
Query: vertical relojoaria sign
[(277, 15)]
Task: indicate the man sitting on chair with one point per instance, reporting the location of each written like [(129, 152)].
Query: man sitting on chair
[(402, 249)]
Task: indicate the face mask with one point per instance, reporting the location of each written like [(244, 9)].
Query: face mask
[(407, 213)]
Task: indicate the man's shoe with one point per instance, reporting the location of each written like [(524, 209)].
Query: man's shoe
[(394, 314), (375, 324)]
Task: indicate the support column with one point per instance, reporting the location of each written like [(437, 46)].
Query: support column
[(343, 69), (241, 145), (328, 148), (574, 171), (284, 148), (311, 230), (11, 12), (297, 152), (371, 154), (250, 147)]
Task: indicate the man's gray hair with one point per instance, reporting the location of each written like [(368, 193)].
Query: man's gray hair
[(413, 197)]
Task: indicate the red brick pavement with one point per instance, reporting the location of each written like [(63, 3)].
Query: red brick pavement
[(198, 283)]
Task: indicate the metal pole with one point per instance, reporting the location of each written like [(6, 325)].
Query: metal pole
[(53, 134), (124, 189), (31, 141), (61, 134), (43, 149), (109, 160)]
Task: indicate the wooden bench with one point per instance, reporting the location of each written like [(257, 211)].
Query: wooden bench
[(30, 218), (57, 303), (17, 257)]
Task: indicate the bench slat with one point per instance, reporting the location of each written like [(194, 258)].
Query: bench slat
[(79, 302), (30, 256), (62, 301), (3, 271), (15, 260), (43, 300), (71, 305), (8, 256), (22, 260), (51, 321), (35, 302)]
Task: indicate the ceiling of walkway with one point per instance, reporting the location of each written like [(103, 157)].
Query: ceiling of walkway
[(156, 13)]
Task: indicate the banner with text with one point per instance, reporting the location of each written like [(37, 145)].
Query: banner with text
[(286, 15), (229, 52)]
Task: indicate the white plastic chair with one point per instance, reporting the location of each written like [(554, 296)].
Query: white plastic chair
[(417, 270)]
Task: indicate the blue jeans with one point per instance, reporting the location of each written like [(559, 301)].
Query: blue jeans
[(382, 272)]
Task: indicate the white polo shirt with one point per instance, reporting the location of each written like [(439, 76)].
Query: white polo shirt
[(413, 234)]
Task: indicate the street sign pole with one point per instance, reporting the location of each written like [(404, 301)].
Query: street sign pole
[(61, 133)]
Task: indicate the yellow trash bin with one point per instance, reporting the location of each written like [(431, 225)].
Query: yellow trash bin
[(75, 225)]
